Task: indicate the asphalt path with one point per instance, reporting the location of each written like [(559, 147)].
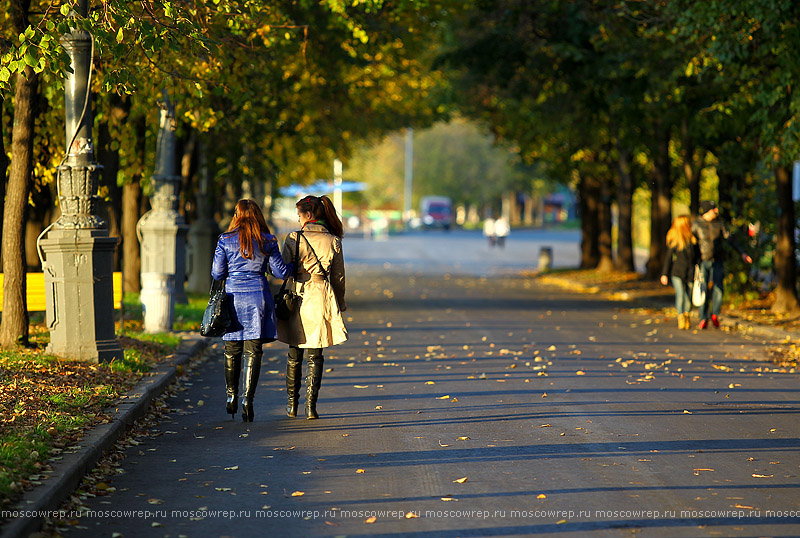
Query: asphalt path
[(476, 405)]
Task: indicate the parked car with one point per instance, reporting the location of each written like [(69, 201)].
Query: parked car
[(436, 212)]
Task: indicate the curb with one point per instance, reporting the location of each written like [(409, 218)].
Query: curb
[(68, 473), (734, 323)]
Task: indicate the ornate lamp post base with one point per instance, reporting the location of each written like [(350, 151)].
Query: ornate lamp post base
[(77, 275)]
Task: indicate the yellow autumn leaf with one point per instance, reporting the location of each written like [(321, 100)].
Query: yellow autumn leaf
[(460, 480), (541, 496), (454, 400), (155, 501), (445, 397), (411, 515), (360, 471), (360, 386), (463, 438), (370, 519), (298, 493), (430, 383), (580, 372)]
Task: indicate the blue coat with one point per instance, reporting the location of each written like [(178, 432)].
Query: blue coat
[(250, 299)]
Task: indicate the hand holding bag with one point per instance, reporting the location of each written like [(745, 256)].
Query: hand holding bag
[(217, 317), (699, 287), (287, 301)]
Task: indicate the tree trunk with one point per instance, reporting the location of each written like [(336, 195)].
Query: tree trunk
[(589, 194), (785, 260), (660, 203), (111, 207), (692, 167), (605, 243), (131, 262), (625, 259), (3, 169), (14, 326)]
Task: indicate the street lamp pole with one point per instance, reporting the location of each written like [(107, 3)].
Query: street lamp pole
[(77, 254), (409, 174)]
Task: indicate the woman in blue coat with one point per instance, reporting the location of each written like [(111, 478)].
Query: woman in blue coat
[(243, 255)]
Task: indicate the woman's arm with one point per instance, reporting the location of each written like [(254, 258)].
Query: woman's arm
[(219, 267), (277, 267), (337, 274)]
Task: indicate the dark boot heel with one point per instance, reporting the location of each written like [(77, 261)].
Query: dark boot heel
[(247, 411), (313, 382)]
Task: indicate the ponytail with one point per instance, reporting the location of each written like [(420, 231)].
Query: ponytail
[(331, 218)]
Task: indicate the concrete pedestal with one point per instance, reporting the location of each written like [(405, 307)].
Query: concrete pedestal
[(202, 241), (162, 235), (158, 302), (77, 276)]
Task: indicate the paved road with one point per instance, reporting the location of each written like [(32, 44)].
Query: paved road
[(465, 405)]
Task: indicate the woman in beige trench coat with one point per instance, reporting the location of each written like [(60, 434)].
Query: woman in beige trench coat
[(317, 323)]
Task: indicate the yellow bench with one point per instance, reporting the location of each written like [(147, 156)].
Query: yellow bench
[(36, 297)]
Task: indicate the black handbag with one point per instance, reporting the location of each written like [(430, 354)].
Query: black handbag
[(287, 301), (217, 317)]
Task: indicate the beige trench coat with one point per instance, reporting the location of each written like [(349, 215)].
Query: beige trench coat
[(318, 322)]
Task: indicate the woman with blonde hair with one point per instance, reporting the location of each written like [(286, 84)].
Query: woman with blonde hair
[(679, 265), (244, 253), (316, 250)]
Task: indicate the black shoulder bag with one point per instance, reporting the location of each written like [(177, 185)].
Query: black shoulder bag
[(216, 318), (286, 300)]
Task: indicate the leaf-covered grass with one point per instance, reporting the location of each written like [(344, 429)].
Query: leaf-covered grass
[(47, 403)]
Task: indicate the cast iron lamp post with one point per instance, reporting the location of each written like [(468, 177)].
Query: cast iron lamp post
[(77, 255)]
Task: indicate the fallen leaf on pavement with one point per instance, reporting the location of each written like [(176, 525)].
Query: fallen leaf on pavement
[(541, 496), (755, 475), (446, 397), (411, 515), (460, 480), (370, 519), (298, 493), (360, 471)]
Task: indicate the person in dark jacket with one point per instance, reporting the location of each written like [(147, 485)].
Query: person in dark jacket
[(712, 236), (244, 253), (679, 266)]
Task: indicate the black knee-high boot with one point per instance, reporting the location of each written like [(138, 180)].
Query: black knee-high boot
[(313, 382), (233, 369), (252, 368), (294, 374)]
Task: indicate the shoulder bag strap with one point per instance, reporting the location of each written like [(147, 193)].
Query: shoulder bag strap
[(324, 272)]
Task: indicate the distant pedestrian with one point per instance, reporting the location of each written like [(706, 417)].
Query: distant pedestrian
[(243, 255), (501, 231), (320, 282), (711, 236), (488, 230), (679, 265)]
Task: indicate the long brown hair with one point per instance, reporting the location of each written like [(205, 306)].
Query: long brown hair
[(249, 221), (680, 233), (322, 209)]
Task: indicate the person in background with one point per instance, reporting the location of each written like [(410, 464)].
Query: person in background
[(488, 230), (501, 230), (244, 253), (317, 323), (679, 265), (712, 236)]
